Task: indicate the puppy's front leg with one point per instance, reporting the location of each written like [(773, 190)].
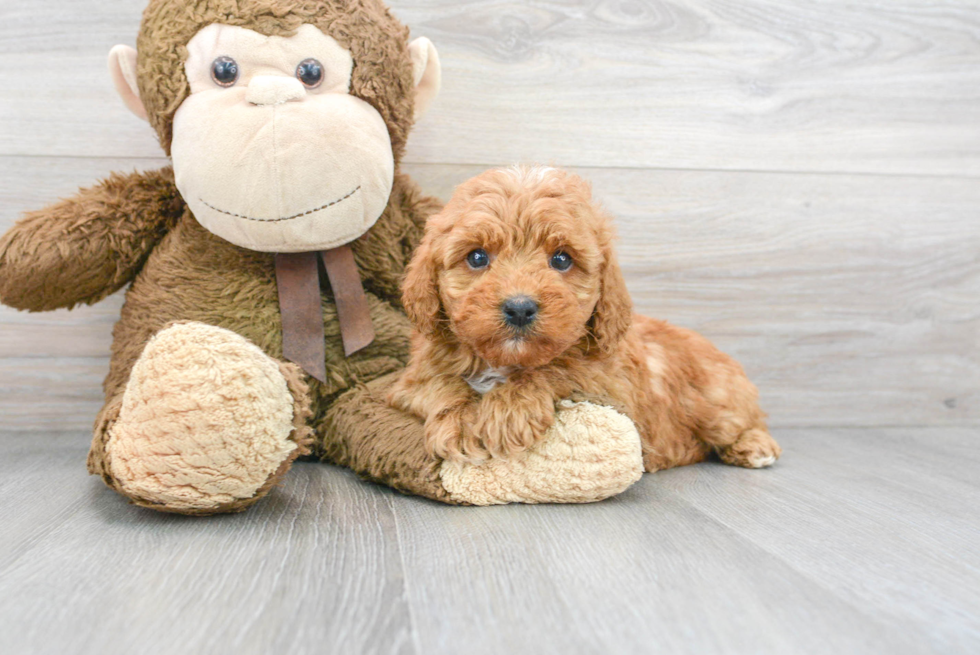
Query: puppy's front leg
[(448, 406), (515, 415)]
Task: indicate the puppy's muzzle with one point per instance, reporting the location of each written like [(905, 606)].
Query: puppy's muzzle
[(520, 312)]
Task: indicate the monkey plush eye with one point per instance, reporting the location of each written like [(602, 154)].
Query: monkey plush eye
[(224, 71), (310, 73), (561, 261), (478, 259)]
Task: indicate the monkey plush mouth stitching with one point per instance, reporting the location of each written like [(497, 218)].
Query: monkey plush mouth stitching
[(288, 218)]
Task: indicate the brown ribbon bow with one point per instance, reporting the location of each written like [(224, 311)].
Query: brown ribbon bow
[(298, 280)]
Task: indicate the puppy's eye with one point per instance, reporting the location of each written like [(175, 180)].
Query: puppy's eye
[(561, 261), (310, 73), (478, 259), (224, 71)]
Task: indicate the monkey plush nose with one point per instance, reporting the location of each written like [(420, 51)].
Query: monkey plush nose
[(274, 90), (520, 311)]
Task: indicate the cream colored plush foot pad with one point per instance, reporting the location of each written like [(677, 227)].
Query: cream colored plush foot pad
[(591, 453), (205, 420)]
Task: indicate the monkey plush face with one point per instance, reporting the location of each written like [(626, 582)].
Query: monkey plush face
[(273, 147), (270, 150)]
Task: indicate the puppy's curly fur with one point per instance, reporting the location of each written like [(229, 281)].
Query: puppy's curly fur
[(487, 386)]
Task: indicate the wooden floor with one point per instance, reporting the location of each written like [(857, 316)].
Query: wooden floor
[(799, 181), (857, 542)]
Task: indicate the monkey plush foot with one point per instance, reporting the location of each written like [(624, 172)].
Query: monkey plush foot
[(207, 424), (590, 454)]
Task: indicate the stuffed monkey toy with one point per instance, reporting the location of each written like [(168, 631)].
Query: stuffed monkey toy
[(263, 319)]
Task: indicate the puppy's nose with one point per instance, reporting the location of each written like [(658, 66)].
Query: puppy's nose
[(520, 311)]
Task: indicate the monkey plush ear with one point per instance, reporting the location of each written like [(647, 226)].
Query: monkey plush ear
[(122, 67), (428, 73)]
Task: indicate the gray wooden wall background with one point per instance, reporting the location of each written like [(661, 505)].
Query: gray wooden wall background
[(798, 179)]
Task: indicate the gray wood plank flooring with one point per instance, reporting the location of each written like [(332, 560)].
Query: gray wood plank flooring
[(81, 572), (853, 543)]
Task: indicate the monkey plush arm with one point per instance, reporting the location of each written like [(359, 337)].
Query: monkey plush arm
[(82, 249)]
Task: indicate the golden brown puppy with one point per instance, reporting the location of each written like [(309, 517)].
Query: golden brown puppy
[(518, 302)]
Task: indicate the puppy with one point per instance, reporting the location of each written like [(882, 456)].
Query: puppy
[(518, 302)]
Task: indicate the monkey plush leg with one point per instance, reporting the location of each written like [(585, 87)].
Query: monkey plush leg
[(360, 431), (207, 423), (591, 453)]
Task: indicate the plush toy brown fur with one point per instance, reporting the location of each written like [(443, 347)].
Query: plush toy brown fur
[(202, 414)]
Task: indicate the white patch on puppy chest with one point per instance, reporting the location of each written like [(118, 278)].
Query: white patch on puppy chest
[(486, 380)]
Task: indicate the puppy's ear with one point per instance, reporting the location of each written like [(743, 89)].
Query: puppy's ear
[(613, 313), (420, 291)]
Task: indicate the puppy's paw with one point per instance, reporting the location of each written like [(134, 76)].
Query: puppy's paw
[(509, 426), (753, 449), (449, 436)]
